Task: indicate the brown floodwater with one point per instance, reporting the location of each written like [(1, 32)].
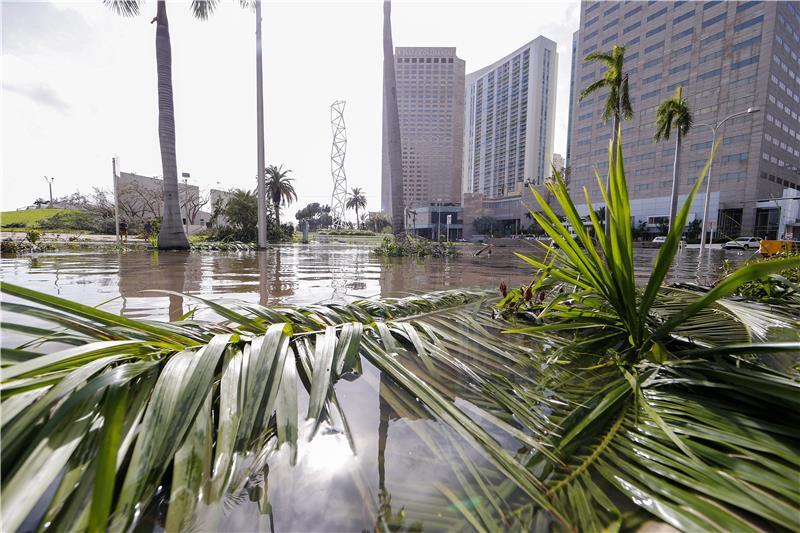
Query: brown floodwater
[(399, 455), (293, 274)]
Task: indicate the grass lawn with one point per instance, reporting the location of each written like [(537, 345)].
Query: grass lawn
[(30, 217)]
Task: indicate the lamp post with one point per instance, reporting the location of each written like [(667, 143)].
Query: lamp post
[(438, 219), (714, 129), (50, 185)]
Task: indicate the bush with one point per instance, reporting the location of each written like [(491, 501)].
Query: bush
[(409, 246), (9, 246), (81, 221), (33, 236)]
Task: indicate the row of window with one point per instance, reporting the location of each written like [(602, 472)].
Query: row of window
[(782, 145), (779, 181), (782, 125), (424, 60)]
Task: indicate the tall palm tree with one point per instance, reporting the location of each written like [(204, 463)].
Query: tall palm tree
[(618, 102), (356, 201), (171, 235), (279, 189), (674, 113), (391, 126)]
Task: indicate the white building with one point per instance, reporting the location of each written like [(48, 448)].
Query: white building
[(509, 121)]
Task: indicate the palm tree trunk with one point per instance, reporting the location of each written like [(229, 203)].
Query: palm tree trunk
[(392, 118), (171, 235), (357, 219), (277, 216), (673, 206)]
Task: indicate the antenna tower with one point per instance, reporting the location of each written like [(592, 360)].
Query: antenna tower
[(339, 197)]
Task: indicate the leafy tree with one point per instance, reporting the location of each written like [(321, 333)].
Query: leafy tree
[(618, 102), (485, 225), (356, 200), (318, 216), (377, 222), (674, 113), (242, 214), (693, 229), (280, 190), (171, 235)]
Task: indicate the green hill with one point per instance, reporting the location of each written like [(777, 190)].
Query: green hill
[(30, 217)]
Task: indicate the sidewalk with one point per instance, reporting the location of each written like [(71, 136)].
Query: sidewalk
[(72, 237)]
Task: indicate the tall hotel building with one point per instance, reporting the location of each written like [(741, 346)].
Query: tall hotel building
[(728, 56), (430, 101), (508, 135)]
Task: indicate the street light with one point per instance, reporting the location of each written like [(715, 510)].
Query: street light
[(708, 178)]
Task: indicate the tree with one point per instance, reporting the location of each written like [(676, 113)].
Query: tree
[(171, 235), (377, 222), (674, 113), (192, 203), (241, 211), (356, 200), (693, 230), (318, 216), (618, 102), (280, 190), (485, 225)]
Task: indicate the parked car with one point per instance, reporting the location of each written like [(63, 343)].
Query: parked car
[(742, 243), (661, 239)]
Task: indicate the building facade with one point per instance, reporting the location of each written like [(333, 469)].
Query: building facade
[(430, 102), (509, 122), (140, 199), (728, 57)]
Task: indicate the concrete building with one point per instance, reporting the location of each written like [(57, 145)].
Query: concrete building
[(141, 199), (508, 133), (430, 101), (728, 56)]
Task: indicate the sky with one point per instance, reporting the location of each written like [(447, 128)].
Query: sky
[(79, 86)]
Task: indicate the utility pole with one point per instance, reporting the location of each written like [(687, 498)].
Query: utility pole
[(262, 208), (116, 197), (50, 185)]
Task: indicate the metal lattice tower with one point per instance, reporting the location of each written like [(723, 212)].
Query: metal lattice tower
[(339, 197)]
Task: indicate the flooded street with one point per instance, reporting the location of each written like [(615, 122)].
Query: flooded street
[(291, 274)]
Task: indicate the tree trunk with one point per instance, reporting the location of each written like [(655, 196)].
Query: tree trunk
[(171, 236), (277, 216), (357, 219), (392, 131), (615, 136), (673, 206)]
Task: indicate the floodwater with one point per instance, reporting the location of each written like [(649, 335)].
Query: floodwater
[(398, 457), (291, 274)]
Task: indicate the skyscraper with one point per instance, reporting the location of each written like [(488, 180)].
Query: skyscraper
[(430, 101), (728, 57), (508, 133)]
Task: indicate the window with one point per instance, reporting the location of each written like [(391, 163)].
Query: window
[(610, 38), (655, 31), (651, 79), (733, 176), (681, 18), (681, 35), (592, 7), (633, 11), (592, 21), (735, 157), (656, 14), (587, 77), (749, 42), (702, 146), (683, 83), (709, 5), (633, 41), (590, 49), (744, 62), (680, 51), (633, 56), (651, 94), (632, 27), (610, 10), (654, 47), (679, 68), (714, 20), (610, 25), (653, 62), (737, 139), (590, 36), (712, 38), (746, 5), (709, 57), (748, 23)]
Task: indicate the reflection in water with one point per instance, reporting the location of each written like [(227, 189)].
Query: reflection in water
[(348, 477)]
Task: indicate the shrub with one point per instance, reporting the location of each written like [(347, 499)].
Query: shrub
[(392, 246)]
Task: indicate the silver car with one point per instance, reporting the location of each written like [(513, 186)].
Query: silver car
[(742, 243)]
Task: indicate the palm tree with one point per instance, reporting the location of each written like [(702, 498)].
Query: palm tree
[(674, 113), (279, 190), (618, 103), (171, 235), (356, 201)]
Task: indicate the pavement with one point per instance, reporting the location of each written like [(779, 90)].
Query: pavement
[(72, 237)]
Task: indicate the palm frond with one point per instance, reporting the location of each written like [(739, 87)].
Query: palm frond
[(126, 8)]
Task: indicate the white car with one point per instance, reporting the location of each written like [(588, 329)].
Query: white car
[(742, 243), (661, 239)]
